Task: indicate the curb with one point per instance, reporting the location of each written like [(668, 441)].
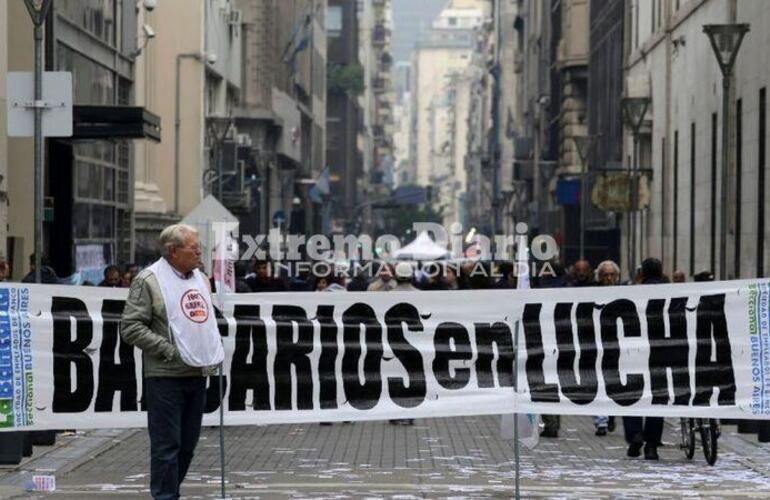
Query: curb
[(92, 454), (60, 459)]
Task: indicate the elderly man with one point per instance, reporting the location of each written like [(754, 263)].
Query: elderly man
[(170, 317)]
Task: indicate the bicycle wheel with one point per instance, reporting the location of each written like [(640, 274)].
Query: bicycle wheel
[(708, 436), (688, 436)]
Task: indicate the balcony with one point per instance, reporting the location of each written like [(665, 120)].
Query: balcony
[(386, 62), (378, 85), (380, 35)]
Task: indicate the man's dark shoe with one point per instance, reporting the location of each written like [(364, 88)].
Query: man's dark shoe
[(651, 453), (611, 424), (549, 433), (601, 431), (634, 449)]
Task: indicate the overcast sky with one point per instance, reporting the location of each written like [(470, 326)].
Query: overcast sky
[(411, 18)]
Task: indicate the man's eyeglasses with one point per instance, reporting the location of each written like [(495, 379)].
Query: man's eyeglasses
[(191, 248)]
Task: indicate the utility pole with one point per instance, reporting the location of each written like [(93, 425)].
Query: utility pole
[(38, 11), (494, 140)]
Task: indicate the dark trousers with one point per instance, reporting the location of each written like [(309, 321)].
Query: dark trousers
[(551, 422), (649, 429), (174, 413)]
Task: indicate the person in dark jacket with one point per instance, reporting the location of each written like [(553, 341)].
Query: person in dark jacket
[(111, 277), (263, 281), (359, 282), (582, 274), (435, 277), (553, 275), (552, 423), (508, 278), (47, 274), (645, 432)]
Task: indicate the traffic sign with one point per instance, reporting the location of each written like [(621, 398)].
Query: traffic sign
[(56, 104)]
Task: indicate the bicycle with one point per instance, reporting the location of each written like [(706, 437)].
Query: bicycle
[(708, 428)]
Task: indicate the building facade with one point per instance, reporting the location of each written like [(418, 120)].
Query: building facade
[(670, 60), (89, 177), (192, 79), (443, 76), (566, 70), (344, 86), (376, 102), (283, 112)]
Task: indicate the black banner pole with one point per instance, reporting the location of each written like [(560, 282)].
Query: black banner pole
[(516, 449), (221, 431)]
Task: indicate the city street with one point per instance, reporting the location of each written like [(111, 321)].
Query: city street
[(437, 458), (580, 186)]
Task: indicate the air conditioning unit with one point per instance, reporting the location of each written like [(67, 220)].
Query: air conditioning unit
[(235, 17)]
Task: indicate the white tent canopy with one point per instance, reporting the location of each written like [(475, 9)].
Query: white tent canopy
[(422, 248)]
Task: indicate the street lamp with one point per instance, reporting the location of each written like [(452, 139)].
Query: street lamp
[(725, 40), (634, 111), (219, 125)]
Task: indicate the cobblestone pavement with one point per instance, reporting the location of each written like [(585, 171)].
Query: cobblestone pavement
[(436, 458)]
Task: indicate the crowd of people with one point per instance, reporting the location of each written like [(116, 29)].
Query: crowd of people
[(641, 434), (113, 276)]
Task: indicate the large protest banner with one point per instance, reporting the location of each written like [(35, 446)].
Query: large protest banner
[(670, 350)]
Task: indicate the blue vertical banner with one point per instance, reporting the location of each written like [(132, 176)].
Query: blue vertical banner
[(16, 378), (759, 335)]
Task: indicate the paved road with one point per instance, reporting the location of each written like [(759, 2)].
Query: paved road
[(437, 458)]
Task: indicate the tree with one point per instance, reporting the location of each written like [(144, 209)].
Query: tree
[(345, 78)]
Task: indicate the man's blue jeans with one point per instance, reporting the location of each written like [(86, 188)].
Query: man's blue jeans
[(174, 413)]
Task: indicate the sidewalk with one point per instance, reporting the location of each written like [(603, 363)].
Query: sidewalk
[(436, 458)]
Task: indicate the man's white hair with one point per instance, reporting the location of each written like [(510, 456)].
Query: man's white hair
[(608, 263), (173, 237)]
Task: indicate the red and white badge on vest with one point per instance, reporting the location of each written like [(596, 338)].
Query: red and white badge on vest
[(194, 306)]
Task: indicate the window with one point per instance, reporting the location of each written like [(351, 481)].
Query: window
[(664, 196), (452, 21), (660, 13), (761, 183), (692, 198), (653, 18), (738, 182), (94, 16), (334, 21), (636, 24), (713, 190), (92, 83), (676, 196)]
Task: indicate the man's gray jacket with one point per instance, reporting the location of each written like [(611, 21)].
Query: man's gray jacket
[(145, 325)]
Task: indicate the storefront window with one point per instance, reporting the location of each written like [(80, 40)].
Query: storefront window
[(94, 16), (92, 83)]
